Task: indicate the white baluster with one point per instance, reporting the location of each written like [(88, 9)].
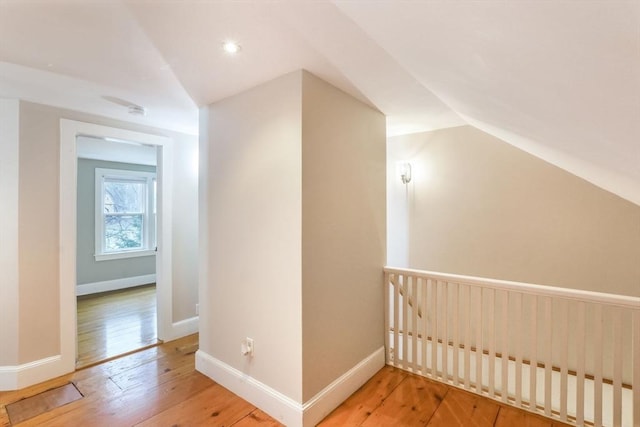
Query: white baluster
[(396, 320), (456, 343), (445, 335), (387, 290), (505, 346), (405, 326), (580, 354), (533, 354), (617, 367), (414, 323), (467, 339), (425, 324), (548, 323), (479, 345), (564, 363), (491, 341), (434, 328), (597, 365), (517, 345), (636, 368)]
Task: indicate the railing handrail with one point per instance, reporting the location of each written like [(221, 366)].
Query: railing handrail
[(616, 300)]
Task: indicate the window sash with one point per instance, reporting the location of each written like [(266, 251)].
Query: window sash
[(146, 235), (135, 237)]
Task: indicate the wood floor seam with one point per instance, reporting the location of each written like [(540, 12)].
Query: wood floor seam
[(439, 404)]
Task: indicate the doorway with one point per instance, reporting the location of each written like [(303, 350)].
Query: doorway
[(115, 248), (69, 132)]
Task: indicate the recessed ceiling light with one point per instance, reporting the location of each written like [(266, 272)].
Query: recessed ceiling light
[(231, 47)]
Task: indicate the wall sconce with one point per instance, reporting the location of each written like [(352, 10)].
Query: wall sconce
[(405, 172)]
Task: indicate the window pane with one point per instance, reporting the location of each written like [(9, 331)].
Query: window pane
[(123, 196), (155, 195), (122, 232)]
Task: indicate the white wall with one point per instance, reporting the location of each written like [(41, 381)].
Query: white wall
[(254, 233)]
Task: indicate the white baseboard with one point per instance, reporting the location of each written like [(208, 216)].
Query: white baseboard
[(183, 328), (20, 376), (329, 398), (114, 285), (283, 408)]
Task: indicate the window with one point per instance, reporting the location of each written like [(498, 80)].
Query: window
[(125, 213)]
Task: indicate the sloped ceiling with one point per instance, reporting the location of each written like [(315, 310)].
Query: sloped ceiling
[(560, 79)]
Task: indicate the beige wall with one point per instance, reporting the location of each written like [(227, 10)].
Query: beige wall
[(478, 206), (343, 232), (38, 226), (9, 280), (254, 233), (38, 234)]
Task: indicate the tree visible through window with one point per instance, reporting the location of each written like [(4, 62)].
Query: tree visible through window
[(123, 214), (127, 211)]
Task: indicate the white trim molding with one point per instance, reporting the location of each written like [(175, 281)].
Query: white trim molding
[(283, 408), (69, 131), (146, 180), (17, 377), (115, 284), (9, 221), (330, 397), (182, 328)]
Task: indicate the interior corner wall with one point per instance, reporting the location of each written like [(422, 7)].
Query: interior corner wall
[(88, 270), (254, 232), (38, 231), (479, 206), (343, 232), (9, 194)]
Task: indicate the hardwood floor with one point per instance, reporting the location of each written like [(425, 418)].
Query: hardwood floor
[(397, 398), (160, 387), (114, 323)]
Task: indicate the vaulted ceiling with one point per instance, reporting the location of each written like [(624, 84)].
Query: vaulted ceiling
[(559, 79)]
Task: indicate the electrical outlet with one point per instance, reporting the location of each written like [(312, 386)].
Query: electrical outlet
[(246, 347), (197, 309), (392, 354)]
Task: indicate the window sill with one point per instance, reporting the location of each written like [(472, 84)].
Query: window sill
[(122, 255)]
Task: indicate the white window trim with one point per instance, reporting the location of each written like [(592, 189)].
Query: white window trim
[(149, 238)]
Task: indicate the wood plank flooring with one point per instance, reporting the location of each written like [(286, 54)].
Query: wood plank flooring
[(397, 398), (160, 387), (114, 323)]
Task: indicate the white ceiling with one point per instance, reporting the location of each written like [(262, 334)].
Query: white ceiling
[(560, 79)]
